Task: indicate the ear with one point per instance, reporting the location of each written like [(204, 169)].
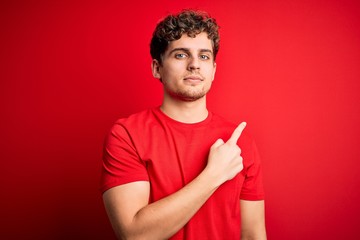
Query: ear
[(214, 71), (155, 67)]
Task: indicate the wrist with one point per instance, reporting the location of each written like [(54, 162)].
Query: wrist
[(211, 178)]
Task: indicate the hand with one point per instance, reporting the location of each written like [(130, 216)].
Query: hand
[(224, 160)]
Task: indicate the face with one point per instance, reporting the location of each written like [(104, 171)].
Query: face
[(187, 68)]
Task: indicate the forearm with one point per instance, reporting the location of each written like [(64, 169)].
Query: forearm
[(163, 218)]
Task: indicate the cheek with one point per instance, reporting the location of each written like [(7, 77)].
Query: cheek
[(210, 72), (171, 70)]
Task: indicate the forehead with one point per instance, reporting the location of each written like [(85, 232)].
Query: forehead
[(199, 42)]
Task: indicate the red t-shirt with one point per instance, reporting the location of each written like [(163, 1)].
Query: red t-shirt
[(150, 146)]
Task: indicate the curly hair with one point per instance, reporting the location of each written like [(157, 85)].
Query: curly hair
[(174, 26)]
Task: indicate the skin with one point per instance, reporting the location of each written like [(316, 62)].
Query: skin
[(187, 72)]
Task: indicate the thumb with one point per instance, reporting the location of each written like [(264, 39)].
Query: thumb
[(218, 143)]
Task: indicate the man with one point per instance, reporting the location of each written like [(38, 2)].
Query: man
[(167, 173)]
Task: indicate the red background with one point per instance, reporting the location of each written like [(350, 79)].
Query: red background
[(69, 69)]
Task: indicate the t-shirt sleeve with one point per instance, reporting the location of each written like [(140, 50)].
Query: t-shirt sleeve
[(121, 162), (252, 188)]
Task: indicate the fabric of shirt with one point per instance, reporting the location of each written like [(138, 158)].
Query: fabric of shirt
[(150, 146)]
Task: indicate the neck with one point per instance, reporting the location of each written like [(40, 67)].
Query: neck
[(183, 111)]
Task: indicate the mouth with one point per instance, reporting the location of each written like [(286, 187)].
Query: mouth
[(193, 78)]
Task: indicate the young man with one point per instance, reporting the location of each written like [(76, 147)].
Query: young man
[(179, 171)]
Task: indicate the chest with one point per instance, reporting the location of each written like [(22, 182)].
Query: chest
[(174, 157)]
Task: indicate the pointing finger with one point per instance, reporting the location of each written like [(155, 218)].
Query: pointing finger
[(237, 133)]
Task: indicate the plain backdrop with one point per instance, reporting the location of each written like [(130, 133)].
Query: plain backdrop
[(69, 69)]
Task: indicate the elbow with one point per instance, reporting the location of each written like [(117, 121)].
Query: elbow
[(123, 236), (126, 235), (133, 235)]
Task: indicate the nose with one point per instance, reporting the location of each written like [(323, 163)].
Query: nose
[(194, 63)]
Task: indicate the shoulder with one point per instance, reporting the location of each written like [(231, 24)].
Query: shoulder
[(137, 126), (220, 122), (136, 117), (135, 120)]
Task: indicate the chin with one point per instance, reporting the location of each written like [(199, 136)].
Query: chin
[(191, 97)]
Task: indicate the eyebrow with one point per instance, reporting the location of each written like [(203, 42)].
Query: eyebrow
[(187, 50)]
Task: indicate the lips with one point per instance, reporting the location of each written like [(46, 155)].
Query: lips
[(193, 78)]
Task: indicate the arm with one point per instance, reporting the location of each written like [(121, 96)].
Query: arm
[(133, 218), (252, 220)]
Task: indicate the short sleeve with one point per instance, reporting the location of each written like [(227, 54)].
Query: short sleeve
[(121, 162), (252, 188)]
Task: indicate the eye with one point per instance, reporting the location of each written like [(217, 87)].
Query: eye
[(204, 57), (180, 55)]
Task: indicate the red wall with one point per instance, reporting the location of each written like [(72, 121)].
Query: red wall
[(69, 69)]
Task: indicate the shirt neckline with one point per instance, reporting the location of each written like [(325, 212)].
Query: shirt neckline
[(172, 121)]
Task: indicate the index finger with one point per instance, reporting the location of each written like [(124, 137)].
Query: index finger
[(237, 133)]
